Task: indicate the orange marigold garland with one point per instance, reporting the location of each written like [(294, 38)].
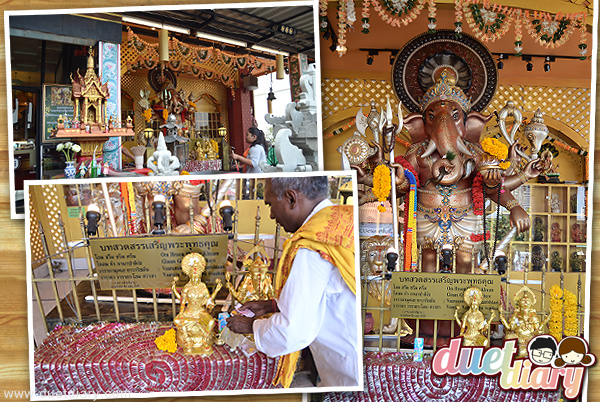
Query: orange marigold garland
[(497, 149), (571, 319), (382, 185), (147, 115), (556, 305)]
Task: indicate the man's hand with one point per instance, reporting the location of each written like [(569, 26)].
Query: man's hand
[(259, 307), (240, 324)]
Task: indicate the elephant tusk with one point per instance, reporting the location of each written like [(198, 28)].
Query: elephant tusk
[(400, 118), (431, 147), (469, 167), (462, 147)]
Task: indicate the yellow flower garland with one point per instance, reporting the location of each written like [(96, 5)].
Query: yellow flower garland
[(571, 319), (147, 115), (167, 342), (555, 324), (571, 325), (495, 148), (215, 146), (165, 114), (382, 185)]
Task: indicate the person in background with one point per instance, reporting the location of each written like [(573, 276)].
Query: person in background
[(256, 154)]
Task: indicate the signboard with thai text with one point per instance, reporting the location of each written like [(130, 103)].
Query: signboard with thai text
[(436, 295), (153, 261)]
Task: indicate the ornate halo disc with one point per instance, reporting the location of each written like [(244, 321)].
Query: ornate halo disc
[(417, 63), (356, 150)]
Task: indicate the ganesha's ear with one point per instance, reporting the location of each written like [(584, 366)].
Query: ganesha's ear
[(474, 126), (414, 124)]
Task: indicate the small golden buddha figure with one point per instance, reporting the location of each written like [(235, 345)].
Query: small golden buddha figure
[(524, 323), (473, 326), (211, 152), (194, 323), (257, 284), (200, 153)]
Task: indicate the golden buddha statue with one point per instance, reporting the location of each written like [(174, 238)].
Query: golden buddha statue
[(257, 284), (524, 323), (473, 323), (194, 323), (212, 150), (200, 152)]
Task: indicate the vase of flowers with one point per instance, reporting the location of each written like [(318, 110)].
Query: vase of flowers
[(69, 150)]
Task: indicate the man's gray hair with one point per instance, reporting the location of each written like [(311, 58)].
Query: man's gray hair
[(312, 187)]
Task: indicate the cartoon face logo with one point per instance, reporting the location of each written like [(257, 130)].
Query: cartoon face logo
[(542, 350), (573, 350), (572, 357)]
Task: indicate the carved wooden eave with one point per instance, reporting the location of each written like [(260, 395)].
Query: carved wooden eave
[(96, 133)]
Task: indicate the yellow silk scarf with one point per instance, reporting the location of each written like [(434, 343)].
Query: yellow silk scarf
[(329, 232)]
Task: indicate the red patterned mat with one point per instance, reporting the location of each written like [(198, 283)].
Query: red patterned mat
[(203, 166), (115, 358), (395, 377)]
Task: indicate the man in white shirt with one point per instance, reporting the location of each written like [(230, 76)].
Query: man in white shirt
[(315, 286)]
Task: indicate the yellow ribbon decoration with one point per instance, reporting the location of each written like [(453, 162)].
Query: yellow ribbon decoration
[(329, 232)]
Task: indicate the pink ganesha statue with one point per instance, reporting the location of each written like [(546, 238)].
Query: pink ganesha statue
[(453, 172)]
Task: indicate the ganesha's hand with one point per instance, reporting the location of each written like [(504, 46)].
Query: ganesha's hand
[(492, 177), (360, 173), (379, 152), (514, 150), (401, 181), (519, 219), (533, 169)]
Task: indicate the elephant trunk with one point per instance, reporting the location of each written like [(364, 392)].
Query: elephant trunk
[(447, 141), (447, 171)]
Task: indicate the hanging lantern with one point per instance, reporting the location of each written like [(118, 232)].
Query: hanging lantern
[(163, 46), (279, 66)]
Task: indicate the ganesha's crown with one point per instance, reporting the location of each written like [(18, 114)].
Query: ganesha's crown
[(444, 89)]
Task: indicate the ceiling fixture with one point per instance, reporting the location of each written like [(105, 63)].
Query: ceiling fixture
[(269, 50), (284, 29), (392, 57), (223, 39), (154, 24), (501, 57), (370, 56), (547, 61), (528, 60)]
